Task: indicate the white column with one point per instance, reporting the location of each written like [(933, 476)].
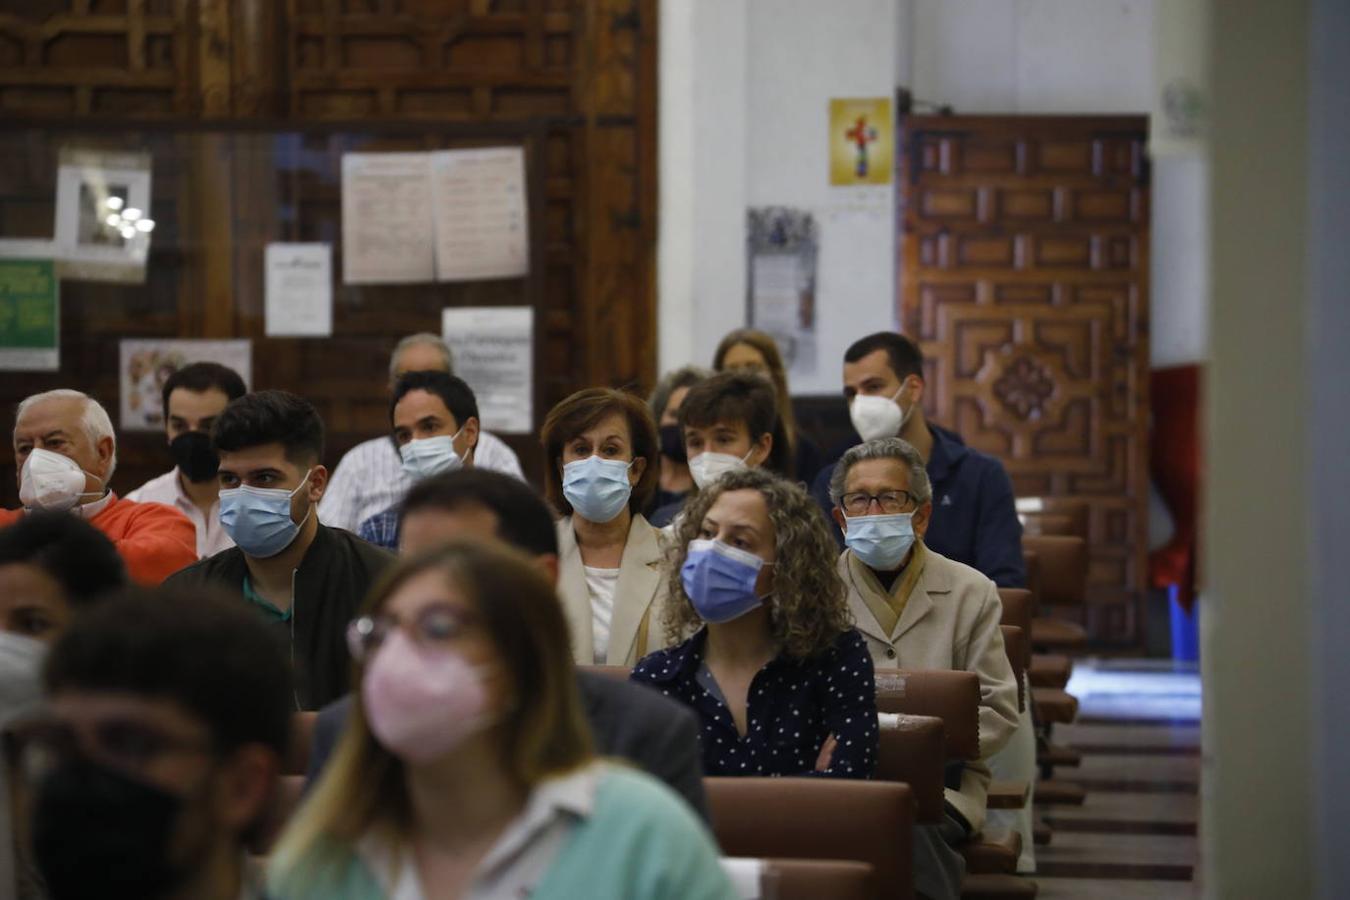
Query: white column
[(701, 261), (1256, 821)]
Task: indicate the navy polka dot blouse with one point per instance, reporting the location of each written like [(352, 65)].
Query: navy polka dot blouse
[(794, 706)]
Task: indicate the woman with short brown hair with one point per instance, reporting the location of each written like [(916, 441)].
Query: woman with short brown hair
[(601, 448)]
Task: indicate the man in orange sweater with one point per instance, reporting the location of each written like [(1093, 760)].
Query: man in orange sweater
[(66, 452)]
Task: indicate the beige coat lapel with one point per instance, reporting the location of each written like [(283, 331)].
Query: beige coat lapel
[(635, 594), (863, 619), (576, 599), (932, 582)]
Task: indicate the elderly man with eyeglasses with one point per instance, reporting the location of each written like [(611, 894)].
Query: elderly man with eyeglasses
[(916, 608)]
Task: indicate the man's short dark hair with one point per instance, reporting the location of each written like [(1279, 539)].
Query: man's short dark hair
[(523, 520), (194, 647), (905, 358), (271, 417), (79, 556), (202, 377), (454, 393)]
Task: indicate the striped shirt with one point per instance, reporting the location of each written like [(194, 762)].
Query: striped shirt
[(370, 478)]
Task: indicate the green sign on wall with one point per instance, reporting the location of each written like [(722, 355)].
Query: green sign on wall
[(30, 320)]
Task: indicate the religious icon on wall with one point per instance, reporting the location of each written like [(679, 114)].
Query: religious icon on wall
[(862, 141), (147, 363)]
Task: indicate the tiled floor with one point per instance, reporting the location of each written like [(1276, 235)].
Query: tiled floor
[(1136, 835)]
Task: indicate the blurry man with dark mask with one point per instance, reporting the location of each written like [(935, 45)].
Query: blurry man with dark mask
[(193, 397), (159, 753)]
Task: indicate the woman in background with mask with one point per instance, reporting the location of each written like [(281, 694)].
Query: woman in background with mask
[(752, 350), (665, 401), (466, 769), (782, 683), (601, 446)]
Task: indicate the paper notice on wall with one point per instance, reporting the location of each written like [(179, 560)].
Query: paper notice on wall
[(298, 283), (103, 222), (386, 218), (145, 364), (493, 350), (782, 245), (30, 319), (481, 224)]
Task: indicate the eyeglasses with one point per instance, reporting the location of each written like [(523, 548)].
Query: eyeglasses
[(857, 503), (436, 626), (125, 744)]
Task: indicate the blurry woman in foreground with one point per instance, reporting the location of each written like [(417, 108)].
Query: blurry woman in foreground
[(467, 770)]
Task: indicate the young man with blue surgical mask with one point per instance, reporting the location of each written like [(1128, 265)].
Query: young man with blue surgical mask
[(303, 578), (918, 609), (434, 416)]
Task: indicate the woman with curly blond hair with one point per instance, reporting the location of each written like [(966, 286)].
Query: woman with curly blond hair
[(782, 683)]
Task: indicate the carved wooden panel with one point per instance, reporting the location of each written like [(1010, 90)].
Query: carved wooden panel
[(1024, 279), (246, 107)]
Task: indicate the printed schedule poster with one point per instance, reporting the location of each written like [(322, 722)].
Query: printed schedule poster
[(493, 347), (30, 320), (386, 219)]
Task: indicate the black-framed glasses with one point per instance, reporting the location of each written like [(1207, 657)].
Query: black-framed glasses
[(437, 625), (859, 503), (127, 744)]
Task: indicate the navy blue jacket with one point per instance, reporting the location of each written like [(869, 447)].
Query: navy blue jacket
[(974, 518)]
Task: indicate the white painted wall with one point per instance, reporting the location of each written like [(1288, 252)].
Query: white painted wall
[(745, 95), (703, 127), (802, 54)]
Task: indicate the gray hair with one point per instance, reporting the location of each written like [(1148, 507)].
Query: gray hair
[(884, 448), (94, 419), (684, 377), (417, 340)]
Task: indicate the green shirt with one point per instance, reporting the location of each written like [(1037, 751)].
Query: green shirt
[(639, 841), (269, 609)]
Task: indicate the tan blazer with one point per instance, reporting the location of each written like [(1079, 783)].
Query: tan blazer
[(638, 595), (950, 622)]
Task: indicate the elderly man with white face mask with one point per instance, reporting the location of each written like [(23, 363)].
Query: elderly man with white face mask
[(65, 453)]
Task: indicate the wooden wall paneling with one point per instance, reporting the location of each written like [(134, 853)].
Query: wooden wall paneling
[(80, 62), (257, 99), (621, 213), (1024, 278)]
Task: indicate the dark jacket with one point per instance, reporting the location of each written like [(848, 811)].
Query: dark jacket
[(974, 516), (628, 721), (330, 585)]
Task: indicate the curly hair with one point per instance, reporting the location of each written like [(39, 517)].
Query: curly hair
[(808, 608)]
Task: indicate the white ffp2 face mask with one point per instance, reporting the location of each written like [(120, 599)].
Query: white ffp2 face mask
[(707, 467), (878, 417), (51, 481)]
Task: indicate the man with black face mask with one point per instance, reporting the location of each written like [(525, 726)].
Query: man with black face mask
[(193, 397), (160, 751)]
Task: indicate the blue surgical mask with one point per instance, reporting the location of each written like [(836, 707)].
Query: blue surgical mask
[(881, 542), (720, 580), (598, 489), (259, 519), (430, 456)]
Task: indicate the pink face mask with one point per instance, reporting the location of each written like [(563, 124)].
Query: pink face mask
[(422, 703)]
